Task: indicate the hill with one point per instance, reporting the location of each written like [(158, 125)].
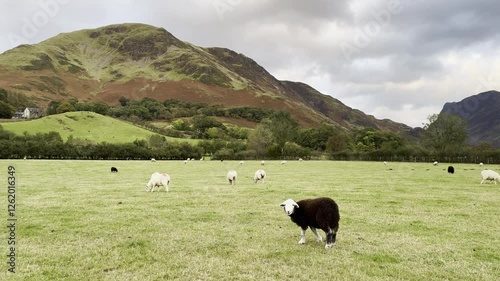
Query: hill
[(88, 126), (481, 113), (137, 61)]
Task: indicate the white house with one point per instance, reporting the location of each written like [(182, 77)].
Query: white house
[(32, 113)]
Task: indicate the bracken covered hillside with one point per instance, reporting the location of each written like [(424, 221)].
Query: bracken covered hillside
[(137, 61)]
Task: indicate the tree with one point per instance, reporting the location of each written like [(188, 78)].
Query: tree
[(283, 127), (52, 107), (337, 142), (65, 106), (445, 132), (5, 110), (157, 141), (3, 94), (260, 139), (202, 123), (123, 101)]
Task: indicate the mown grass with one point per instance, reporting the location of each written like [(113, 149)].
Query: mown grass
[(403, 221), (87, 126)]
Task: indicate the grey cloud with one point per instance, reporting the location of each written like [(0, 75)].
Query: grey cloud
[(301, 40)]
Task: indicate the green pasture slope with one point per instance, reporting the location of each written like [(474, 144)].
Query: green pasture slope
[(88, 126), (402, 221)]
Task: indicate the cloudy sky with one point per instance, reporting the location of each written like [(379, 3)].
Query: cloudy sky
[(396, 59)]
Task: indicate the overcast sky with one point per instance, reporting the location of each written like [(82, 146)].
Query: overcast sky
[(396, 59)]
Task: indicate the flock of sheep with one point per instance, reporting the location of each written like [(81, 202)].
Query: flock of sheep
[(317, 213)]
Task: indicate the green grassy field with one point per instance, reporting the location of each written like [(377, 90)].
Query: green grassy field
[(88, 126), (403, 221)]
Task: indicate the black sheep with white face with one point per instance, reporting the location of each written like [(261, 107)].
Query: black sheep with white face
[(322, 213)]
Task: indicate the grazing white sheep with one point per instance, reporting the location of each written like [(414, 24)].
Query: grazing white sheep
[(490, 175), (435, 163), (242, 162), (231, 177), (283, 162), (158, 179), (481, 164), (262, 163), (300, 159), (185, 161), (153, 160), (385, 162), (322, 213), (259, 175)]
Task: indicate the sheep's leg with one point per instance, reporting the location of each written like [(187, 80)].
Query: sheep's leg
[(318, 237), (302, 236)]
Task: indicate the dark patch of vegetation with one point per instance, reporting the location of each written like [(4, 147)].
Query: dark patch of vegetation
[(147, 45), (114, 44), (198, 69), (94, 34), (56, 84), (163, 66), (115, 29), (43, 62), (75, 69)]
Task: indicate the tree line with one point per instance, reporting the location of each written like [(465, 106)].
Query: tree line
[(276, 136)]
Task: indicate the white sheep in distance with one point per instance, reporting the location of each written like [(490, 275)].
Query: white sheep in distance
[(262, 163), (490, 175), (231, 177), (242, 162), (435, 163), (153, 160), (158, 179), (259, 176), (283, 162), (481, 164), (322, 213)]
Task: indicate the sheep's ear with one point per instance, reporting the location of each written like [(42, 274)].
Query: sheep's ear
[(282, 204), (296, 205)]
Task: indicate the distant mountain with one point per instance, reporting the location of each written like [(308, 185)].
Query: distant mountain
[(482, 113), (138, 60)]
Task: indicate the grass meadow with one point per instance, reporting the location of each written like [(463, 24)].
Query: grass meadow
[(401, 221), (88, 126)]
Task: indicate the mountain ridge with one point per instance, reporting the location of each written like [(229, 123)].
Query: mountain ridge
[(138, 60), (481, 113)]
